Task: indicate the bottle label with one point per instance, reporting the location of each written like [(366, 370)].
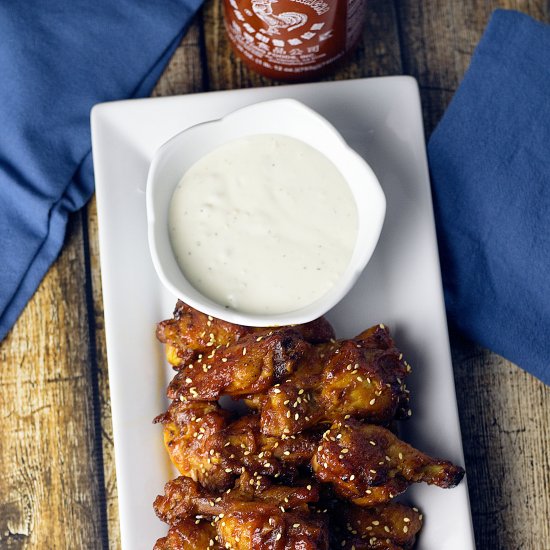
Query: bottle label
[(293, 36)]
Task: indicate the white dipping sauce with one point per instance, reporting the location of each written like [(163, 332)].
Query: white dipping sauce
[(263, 224)]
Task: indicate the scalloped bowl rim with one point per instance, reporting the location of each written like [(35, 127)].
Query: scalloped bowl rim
[(179, 153)]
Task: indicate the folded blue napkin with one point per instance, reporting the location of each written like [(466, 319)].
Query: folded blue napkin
[(57, 59), (490, 166)]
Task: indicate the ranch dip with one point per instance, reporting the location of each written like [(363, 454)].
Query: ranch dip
[(263, 224)]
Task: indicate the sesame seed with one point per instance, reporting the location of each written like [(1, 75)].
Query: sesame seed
[(188, 381), (405, 528), (352, 477), (244, 351), (372, 401)]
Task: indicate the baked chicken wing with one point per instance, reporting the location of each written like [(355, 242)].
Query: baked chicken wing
[(190, 534), (362, 378), (207, 444), (254, 516), (191, 333), (368, 464), (251, 365), (386, 527)]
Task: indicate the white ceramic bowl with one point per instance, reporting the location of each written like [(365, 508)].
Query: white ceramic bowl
[(281, 116)]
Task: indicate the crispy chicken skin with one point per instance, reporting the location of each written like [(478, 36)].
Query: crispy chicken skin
[(363, 378), (252, 365), (191, 333), (368, 464), (386, 527), (189, 534), (254, 515), (187, 428), (208, 445), (319, 407)]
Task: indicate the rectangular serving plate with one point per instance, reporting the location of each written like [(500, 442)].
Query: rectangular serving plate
[(401, 286)]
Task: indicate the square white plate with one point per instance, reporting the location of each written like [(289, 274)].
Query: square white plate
[(401, 287)]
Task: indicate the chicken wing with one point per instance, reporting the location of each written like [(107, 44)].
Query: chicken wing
[(368, 464), (386, 527), (254, 516), (362, 378), (208, 445), (192, 333), (190, 534), (188, 426), (252, 365)]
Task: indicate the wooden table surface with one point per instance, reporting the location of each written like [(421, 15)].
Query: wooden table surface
[(58, 481)]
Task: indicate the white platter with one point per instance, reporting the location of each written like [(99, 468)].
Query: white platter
[(401, 287)]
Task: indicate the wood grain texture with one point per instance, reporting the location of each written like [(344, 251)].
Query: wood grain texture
[(99, 357), (50, 486)]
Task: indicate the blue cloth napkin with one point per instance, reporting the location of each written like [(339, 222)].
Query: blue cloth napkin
[(57, 59), (490, 166)]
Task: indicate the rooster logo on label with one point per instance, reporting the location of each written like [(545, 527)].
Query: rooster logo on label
[(289, 20)]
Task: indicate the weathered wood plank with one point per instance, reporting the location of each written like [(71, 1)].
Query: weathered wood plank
[(505, 413), (185, 73), (48, 459), (100, 360)]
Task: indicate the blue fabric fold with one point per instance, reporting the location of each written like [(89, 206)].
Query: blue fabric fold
[(58, 59), (490, 167)]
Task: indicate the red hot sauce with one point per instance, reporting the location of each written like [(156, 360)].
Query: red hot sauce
[(293, 39)]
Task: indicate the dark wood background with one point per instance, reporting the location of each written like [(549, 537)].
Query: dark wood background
[(58, 479)]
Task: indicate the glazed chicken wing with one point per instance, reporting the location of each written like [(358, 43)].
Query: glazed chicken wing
[(190, 534), (192, 333), (253, 516), (252, 365), (188, 425), (206, 444), (368, 464), (386, 527), (363, 378)]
